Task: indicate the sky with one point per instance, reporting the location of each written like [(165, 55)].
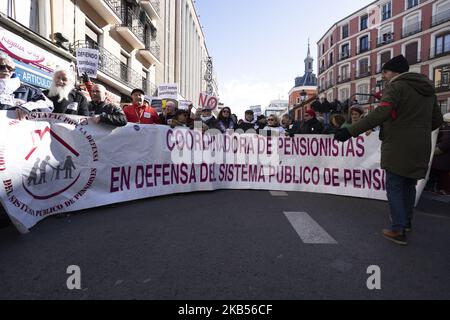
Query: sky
[(259, 46)]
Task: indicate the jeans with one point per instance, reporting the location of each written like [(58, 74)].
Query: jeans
[(326, 118), (401, 194)]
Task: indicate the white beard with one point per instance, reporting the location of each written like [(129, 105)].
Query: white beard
[(61, 92)]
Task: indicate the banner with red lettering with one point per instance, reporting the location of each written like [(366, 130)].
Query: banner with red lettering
[(54, 163)]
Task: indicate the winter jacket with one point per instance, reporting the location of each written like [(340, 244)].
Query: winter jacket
[(408, 113), (326, 107), (442, 162), (109, 113), (293, 129), (76, 104), (317, 106), (312, 126)]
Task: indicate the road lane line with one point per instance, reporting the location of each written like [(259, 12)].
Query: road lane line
[(309, 230), (278, 194)]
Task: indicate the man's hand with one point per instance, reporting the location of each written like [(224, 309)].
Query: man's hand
[(21, 114), (342, 135), (96, 119), (85, 78)]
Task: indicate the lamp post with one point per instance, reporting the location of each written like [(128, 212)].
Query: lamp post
[(303, 96)]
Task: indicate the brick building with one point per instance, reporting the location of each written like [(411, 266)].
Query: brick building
[(353, 50)]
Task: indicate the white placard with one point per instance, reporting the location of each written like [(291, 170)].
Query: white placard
[(87, 62)]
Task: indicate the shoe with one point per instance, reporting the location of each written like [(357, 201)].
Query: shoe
[(395, 236)]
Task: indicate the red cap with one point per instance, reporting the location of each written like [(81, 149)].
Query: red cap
[(311, 112)]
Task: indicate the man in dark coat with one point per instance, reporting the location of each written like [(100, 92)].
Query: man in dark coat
[(290, 126), (317, 105), (311, 125), (249, 122), (408, 113), (104, 112), (64, 97)]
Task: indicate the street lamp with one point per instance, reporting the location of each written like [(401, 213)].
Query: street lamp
[(303, 96)]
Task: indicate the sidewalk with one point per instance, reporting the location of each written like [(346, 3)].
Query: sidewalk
[(435, 197)]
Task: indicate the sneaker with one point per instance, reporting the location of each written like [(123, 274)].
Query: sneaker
[(395, 236)]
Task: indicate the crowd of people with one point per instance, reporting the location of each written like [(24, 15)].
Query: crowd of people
[(344, 120)]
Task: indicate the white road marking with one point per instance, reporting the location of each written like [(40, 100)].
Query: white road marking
[(309, 230), (278, 194)]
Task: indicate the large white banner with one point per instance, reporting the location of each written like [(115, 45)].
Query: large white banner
[(53, 163)]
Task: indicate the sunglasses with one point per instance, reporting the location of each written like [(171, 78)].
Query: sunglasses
[(271, 120), (5, 67)]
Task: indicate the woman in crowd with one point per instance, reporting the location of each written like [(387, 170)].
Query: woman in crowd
[(273, 126), (225, 122), (337, 121), (441, 162), (356, 114)]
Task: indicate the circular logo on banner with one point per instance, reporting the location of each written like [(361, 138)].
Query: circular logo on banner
[(52, 164)]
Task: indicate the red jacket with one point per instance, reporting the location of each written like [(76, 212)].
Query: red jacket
[(141, 114)]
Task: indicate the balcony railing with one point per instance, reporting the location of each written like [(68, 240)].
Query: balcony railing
[(116, 6), (385, 39), (157, 5), (439, 18), (363, 48), (153, 46), (344, 78), (132, 22), (442, 86), (411, 29), (114, 68), (436, 52), (344, 55), (366, 72)]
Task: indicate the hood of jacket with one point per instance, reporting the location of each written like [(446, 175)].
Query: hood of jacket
[(419, 82)]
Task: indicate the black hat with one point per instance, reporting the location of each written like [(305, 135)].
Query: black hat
[(181, 111), (399, 64), (138, 90), (249, 112)]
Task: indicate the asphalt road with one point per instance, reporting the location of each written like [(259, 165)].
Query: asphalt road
[(228, 245)]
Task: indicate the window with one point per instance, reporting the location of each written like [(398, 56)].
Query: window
[(92, 38), (412, 25), (345, 51), (363, 67), (364, 44), (124, 66), (412, 3), (363, 90), (384, 57), (323, 48), (144, 80), (411, 53), (442, 78), (344, 94), (345, 72), (330, 60), (24, 11), (331, 40), (363, 24), (442, 13), (345, 31), (442, 44), (386, 35), (386, 11)]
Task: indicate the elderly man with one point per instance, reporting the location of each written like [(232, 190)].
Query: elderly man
[(103, 112), (64, 96), (14, 94), (168, 114), (138, 112)]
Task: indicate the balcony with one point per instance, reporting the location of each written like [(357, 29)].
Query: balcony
[(385, 39), (111, 66), (110, 10), (152, 7), (437, 52), (412, 29), (152, 51), (344, 78), (442, 86), (440, 18), (132, 29), (366, 72), (344, 55), (362, 49)]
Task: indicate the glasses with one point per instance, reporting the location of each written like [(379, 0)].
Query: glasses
[(5, 67)]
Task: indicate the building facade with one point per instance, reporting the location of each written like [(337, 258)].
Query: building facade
[(354, 49), (141, 43)]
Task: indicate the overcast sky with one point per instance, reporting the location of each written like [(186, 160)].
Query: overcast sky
[(258, 46)]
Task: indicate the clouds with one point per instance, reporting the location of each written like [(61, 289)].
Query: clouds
[(241, 93)]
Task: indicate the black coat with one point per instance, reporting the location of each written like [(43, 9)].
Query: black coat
[(312, 126), (26, 93), (211, 123), (82, 108), (294, 128), (317, 106), (109, 113), (326, 107), (245, 126)]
